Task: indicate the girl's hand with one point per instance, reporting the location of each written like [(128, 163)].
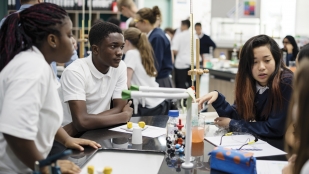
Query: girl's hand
[(77, 143), (68, 167), (289, 48), (222, 122), (210, 97)]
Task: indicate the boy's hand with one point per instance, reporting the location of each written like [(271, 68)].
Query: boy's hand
[(289, 48), (128, 110)]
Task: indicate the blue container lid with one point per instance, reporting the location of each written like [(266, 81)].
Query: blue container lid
[(173, 113)]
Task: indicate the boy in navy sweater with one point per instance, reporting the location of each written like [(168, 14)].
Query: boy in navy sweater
[(205, 41)]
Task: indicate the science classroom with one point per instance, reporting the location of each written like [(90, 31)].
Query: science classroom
[(154, 86)]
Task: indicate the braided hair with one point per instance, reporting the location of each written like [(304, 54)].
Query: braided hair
[(100, 31), (28, 28)]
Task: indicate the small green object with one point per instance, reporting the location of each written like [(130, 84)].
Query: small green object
[(134, 88), (126, 94), (208, 65)]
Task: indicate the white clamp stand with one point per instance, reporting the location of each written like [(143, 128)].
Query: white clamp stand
[(136, 93)]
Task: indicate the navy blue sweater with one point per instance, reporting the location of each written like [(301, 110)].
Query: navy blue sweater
[(205, 43), (271, 129), (162, 50)]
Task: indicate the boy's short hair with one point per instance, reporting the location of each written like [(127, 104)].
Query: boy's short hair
[(186, 22), (198, 24), (100, 31)]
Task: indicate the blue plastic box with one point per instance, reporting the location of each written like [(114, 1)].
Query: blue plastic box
[(232, 161)]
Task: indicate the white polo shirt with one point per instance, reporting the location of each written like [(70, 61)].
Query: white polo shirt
[(82, 81), (30, 107), (181, 44), (140, 77)]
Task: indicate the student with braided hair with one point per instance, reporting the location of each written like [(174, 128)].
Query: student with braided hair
[(28, 3), (30, 108)]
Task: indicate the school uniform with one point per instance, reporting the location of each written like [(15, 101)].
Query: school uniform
[(181, 44), (82, 81), (205, 43), (289, 57), (153, 106), (163, 56), (30, 107), (271, 129)]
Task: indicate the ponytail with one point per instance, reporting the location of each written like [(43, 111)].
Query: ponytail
[(156, 11), (140, 41), (20, 31), (13, 39), (150, 14), (147, 55)]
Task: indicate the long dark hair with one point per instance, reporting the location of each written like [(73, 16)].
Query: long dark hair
[(28, 28), (246, 84), (294, 44), (301, 98)]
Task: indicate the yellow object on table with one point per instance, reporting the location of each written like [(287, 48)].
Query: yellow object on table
[(141, 124), (90, 169), (129, 125), (107, 170)]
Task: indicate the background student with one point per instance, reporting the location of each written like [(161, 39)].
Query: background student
[(89, 85), (181, 49), (299, 162), (145, 21), (205, 40), (30, 108), (290, 47), (141, 70), (128, 9), (262, 93)]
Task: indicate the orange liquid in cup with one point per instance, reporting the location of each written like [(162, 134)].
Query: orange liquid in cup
[(197, 149), (197, 134)]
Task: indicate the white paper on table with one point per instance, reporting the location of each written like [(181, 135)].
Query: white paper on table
[(230, 142), (273, 167), (151, 131)]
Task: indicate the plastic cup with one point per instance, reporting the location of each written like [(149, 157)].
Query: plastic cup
[(137, 136), (198, 130)]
